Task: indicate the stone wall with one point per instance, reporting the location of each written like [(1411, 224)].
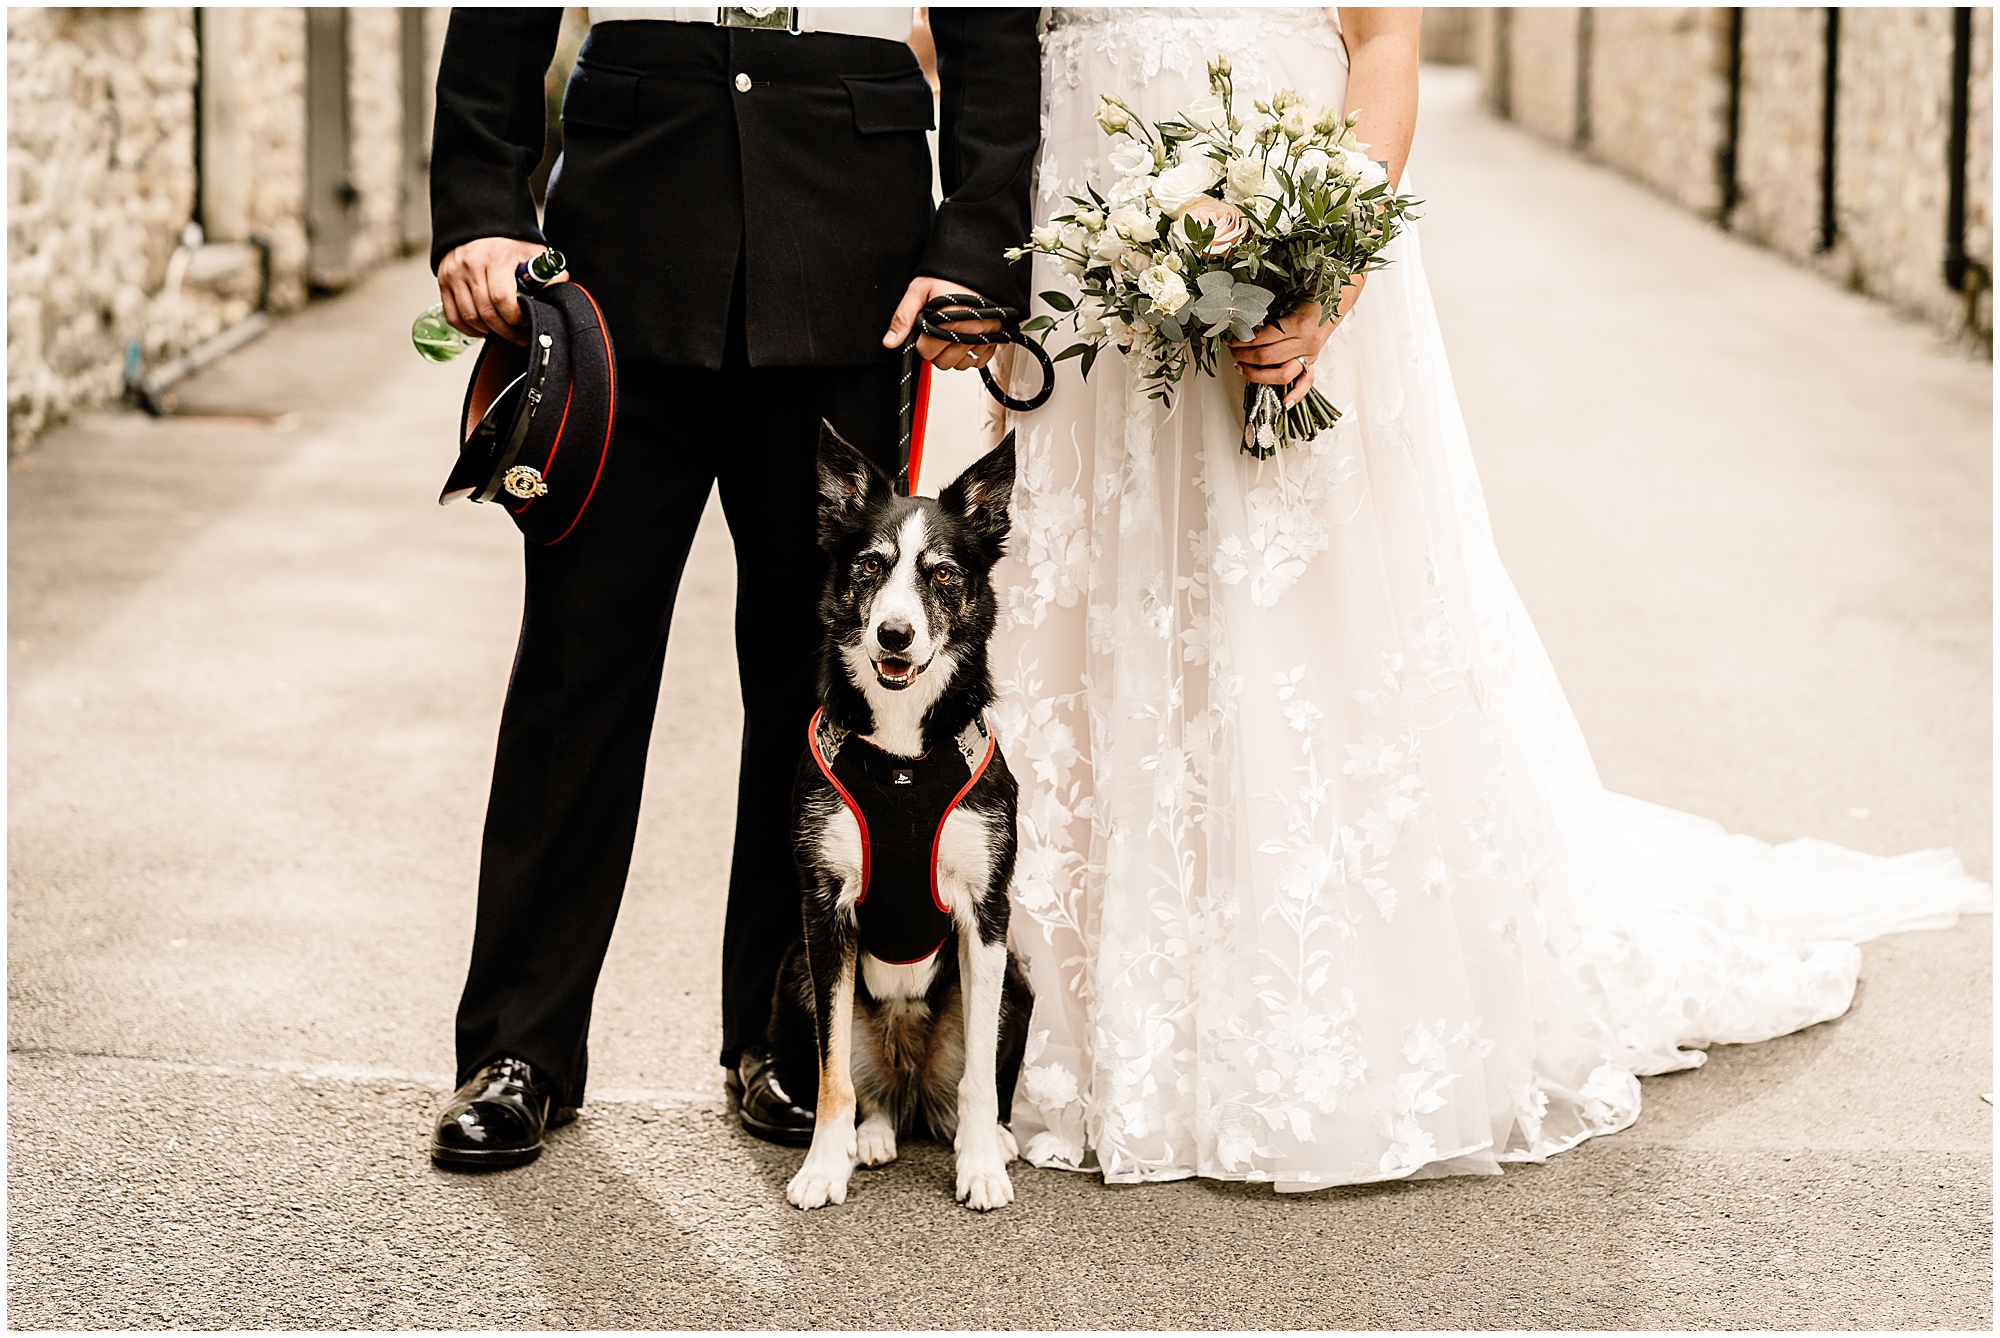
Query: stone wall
[(253, 137), (1654, 97), (100, 179), (375, 101), (1544, 72), (1780, 130), (156, 158), (1658, 95)]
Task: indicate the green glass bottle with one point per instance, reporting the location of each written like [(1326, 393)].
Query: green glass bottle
[(433, 335)]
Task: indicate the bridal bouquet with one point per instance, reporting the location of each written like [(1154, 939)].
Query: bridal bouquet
[(1216, 224)]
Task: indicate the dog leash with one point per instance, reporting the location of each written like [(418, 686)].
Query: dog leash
[(916, 388)]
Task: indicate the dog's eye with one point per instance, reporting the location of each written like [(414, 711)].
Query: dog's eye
[(871, 565), (944, 576)]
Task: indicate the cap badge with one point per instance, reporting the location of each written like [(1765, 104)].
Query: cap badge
[(525, 482)]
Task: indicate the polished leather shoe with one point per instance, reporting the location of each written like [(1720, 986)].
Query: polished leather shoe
[(497, 1118), (765, 1108)]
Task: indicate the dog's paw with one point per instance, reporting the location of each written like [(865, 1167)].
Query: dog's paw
[(875, 1141), (823, 1178), (982, 1181), (817, 1185), (1007, 1143)]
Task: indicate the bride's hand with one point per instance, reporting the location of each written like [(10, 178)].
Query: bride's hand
[(1283, 352)]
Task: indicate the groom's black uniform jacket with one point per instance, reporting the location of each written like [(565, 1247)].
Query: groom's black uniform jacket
[(819, 172), (747, 249)]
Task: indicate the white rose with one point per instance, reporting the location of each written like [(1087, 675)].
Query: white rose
[(1135, 223), (1245, 180), (1132, 159), (1185, 182), (1165, 287), (1365, 169)]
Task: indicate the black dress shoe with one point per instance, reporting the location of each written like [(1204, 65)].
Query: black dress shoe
[(765, 1108), (497, 1118)]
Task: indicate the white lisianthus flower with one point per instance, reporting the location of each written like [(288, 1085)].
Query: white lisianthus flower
[(1113, 118), (1207, 113), (1313, 163), (1107, 247), (1166, 288), (1045, 239), (1072, 267), (1295, 123), (1185, 182), (1089, 218), (1131, 190), (1365, 169), (1090, 321), (1135, 223), (1132, 159), (1074, 237)]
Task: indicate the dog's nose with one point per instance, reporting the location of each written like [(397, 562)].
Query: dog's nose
[(895, 635)]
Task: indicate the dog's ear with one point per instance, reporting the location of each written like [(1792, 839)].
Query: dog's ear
[(848, 482), (981, 495)]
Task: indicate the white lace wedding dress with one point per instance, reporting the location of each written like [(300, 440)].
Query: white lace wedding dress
[(1318, 884)]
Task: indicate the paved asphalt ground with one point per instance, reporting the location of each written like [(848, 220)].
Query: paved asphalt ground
[(255, 673)]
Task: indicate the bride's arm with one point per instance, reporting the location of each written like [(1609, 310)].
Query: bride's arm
[(1382, 81), (1382, 85)]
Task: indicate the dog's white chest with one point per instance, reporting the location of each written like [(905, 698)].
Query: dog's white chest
[(838, 845), (964, 862)]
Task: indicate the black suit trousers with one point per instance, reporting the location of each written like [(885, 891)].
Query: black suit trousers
[(580, 704)]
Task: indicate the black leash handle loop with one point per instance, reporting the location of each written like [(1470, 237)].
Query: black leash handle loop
[(939, 312), (949, 307)]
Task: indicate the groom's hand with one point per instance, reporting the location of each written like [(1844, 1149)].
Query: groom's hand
[(476, 286), (945, 356)]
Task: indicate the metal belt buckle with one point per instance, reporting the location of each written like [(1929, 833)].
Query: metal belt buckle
[(777, 18)]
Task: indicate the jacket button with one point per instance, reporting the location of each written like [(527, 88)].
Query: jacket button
[(743, 83)]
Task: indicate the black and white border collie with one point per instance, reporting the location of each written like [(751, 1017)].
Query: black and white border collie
[(926, 1031)]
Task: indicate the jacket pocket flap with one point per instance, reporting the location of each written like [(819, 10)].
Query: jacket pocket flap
[(891, 102), (606, 99)]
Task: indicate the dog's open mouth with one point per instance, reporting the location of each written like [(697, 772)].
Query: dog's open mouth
[(896, 674)]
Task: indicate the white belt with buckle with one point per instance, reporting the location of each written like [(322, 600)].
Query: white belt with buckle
[(886, 22)]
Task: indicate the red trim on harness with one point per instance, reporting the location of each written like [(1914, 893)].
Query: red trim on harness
[(919, 420), (812, 742), (992, 742), (610, 414)]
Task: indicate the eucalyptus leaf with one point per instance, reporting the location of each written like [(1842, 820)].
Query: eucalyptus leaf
[(1227, 303)]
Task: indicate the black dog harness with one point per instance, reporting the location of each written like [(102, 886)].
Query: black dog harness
[(901, 805)]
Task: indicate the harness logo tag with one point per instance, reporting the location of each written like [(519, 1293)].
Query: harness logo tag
[(904, 777)]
